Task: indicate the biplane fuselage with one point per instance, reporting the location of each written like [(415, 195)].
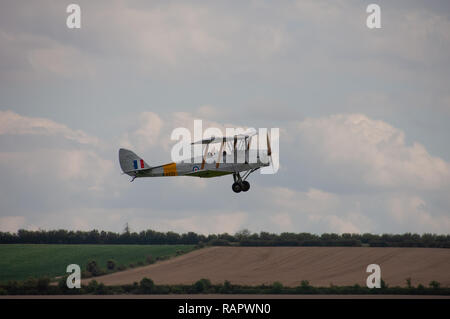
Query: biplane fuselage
[(210, 164)]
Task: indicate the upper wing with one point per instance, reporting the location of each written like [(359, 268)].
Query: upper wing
[(246, 134)]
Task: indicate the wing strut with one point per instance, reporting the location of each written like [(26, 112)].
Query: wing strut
[(204, 157), (220, 153)]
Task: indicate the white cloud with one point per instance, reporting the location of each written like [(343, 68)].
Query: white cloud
[(343, 143), (62, 60), (312, 201), (153, 131), (11, 223), (344, 223), (316, 209), (84, 218), (80, 164), (146, 134), (424, 46), (283, 221), (209, 223), (412, 211), (65, 165), (12, 123), (372, 150), (261, 60), (168, 33)]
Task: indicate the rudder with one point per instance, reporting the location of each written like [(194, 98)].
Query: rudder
[(130, 162)]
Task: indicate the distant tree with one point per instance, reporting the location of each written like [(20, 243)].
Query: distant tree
[(305, 284), (242, 234), (110, 264), (43, 284), (121, 267), (202, 285), (200, 245), (277, 287), (147, 285), (126, 229), (227, 288), (434, 284), (267, 236), (243, 237), (172, 238), (101, 289), (220, 242), (408, 283), (93, 268), (92, 286), (62, 284), (149, 259)]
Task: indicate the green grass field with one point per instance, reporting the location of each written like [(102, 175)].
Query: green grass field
[(19, 262)]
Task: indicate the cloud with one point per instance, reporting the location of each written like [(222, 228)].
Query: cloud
[(282, 221), (146, 134), (311, 201), (151, 132), (423, 46), (47, 166), (228, 222), (365, 158), (63, 61), (87, 190), (315, 209), (344, 223), (12, 123), (372, 151), (67, 162), (413, 211), (65, 165), (380, 163), (11, 223), (161, 38)]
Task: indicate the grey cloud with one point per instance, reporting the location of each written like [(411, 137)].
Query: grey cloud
[(137, 69)]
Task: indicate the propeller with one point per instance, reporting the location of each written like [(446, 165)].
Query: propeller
[(269, 150)]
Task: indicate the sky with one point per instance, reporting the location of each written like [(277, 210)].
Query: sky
[(363, 114)]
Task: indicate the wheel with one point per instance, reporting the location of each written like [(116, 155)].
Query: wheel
[(245, 186), (236, 187)]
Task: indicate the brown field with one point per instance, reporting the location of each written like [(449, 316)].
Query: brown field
[(321, 266)]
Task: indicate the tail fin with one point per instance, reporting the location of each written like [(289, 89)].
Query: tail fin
[(130, 162)]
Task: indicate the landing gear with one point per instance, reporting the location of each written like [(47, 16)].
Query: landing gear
[(236, 187), (240, 184)]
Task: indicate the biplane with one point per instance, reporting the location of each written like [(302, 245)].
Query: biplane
[(235, 156)]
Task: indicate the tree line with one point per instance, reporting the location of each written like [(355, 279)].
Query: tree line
[(43, 286), (241, 238)]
